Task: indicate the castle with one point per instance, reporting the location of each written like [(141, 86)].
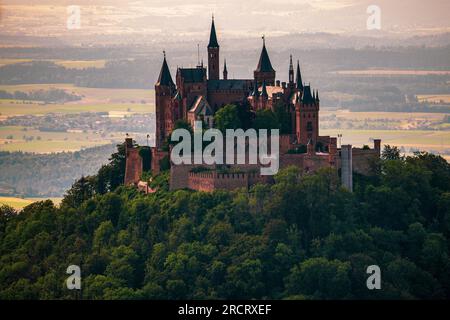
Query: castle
[(200, 92)]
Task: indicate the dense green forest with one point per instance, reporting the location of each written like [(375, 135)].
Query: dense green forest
[(304, 237)]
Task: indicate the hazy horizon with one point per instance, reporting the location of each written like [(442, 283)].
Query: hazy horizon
[(175, 19)]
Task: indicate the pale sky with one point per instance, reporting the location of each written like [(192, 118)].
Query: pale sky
[(235, 18)]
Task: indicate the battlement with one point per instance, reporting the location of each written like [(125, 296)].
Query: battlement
[(213, 180)]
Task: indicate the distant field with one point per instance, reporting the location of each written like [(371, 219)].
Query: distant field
[(435, 98), (47, 142), (392, 72), (94, 100), (339, 96), (11, 108), (403, 120), (81, 64), (20, 203), (4, 62), (70, 64), (350, 115), (92, 95)]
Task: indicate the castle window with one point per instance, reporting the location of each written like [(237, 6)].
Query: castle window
[(309, 126)]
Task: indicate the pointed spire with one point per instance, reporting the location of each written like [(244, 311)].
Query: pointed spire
[(264, 90), (255, 90), (225, 71), (198, 54), (264, 64), (298, 80), (317, 95), (165, 79), (212, 36), (178, 96), (291, 71)]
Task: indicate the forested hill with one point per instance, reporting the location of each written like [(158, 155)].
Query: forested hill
[(300, 238)]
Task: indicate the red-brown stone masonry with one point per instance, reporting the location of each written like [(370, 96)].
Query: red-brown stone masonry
[(133, 167), (305, 114), (218, 99), (210, 181), (157, 156)]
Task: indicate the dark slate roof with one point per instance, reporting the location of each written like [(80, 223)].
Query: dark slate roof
[(298, 79), (165, 79), (213, 37), (192, 74), (264, 64), (232, 84), (307, 96)]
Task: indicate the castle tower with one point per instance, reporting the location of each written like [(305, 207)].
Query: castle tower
[(225, 71), (307, 118), (164, 89), (264, 70), (133, 164), (213, 54), (291, 73), (347, 167), (298, 79)]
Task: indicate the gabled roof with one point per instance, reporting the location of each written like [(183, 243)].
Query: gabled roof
[(213, 37), (264, 64), (201, 107), (165, 79), (192, 74)]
